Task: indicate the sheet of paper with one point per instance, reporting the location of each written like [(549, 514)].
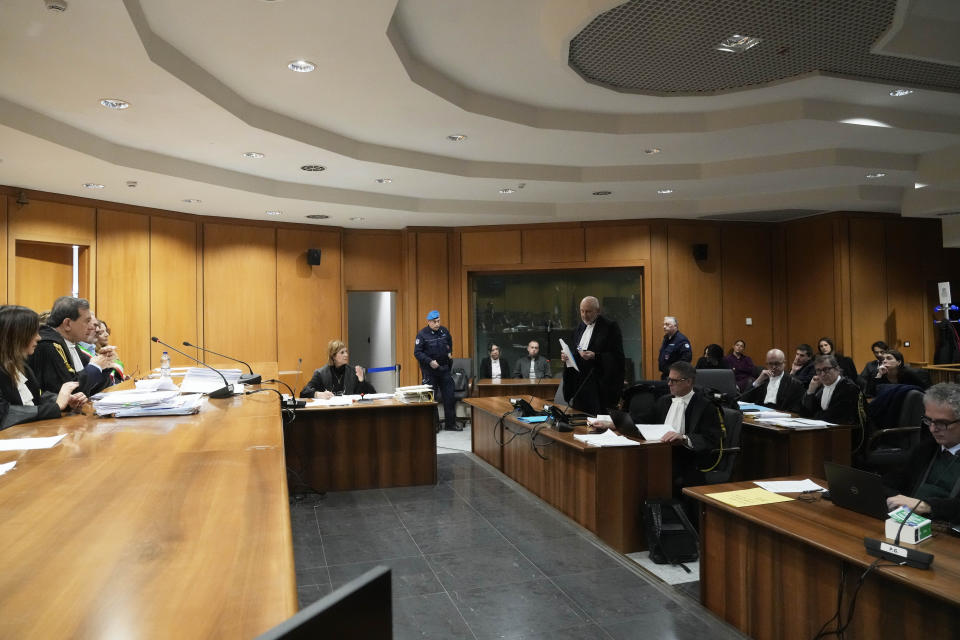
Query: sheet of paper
[(571, 361), (26, 444), (789, 486), (769, 415), (335, 401), (605, 439), (748, 497), (157, 384), (601, 421), (653, 431), (7, 466)]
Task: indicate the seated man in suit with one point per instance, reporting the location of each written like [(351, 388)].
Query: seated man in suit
[(802, 368), (774, 387), (494, 366), (532, 365), (830, 396), (870, 369), (57, 359), (931, 475), (696, 427)]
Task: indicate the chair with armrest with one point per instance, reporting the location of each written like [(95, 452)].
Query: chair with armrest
[(721, 380), (640, 400), (886, 447), (733, 426), (462, 385)]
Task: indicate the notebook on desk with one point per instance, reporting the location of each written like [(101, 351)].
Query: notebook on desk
[(857, 490)]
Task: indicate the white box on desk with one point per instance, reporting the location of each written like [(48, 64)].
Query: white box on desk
[(916, 530)]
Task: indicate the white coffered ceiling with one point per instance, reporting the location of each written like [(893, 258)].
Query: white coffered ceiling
[(208, 81)]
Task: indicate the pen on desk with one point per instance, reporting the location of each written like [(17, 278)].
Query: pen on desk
[(811, 491)]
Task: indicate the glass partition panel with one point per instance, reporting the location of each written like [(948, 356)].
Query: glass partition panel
[(510, 309)]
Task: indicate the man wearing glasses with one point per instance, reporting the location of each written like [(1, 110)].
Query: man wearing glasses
[(931, 475), (774, 388), (831, 397), (695, 424)]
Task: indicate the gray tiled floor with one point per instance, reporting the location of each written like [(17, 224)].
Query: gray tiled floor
[(476, 557)]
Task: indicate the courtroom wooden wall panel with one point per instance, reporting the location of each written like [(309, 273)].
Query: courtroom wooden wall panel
[(433, 284), (747, 283), (695, 296), (3, 250), (459, 313), (657, 281), (491, 247), (240, 291), (44, 272), (868, 289), (175, 302), (372, 260), (617, 242), (548, 245), (308, 310), (909, 270), (123, 283), (810, 282)]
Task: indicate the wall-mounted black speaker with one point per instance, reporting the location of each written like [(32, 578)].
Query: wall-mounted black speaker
[(313, 257), (700, 251)]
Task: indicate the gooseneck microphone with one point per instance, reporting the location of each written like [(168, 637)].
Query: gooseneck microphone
[(247, 378), (225, 392), (562, 421)]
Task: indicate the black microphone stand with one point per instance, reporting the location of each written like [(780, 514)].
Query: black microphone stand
[(225, 392), (246, 378)]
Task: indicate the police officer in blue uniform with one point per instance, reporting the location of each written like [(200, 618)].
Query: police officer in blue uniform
[(675, 347), (433, 351)]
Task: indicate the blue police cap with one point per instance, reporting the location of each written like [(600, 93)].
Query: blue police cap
[(433, 315)]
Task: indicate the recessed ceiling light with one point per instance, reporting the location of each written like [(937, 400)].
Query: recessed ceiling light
[(115, 103), (876, 174), (456, 137), (357, 219), (651, 151), (507, 191), (664, 192), (317, 216), (313, 167), (384, 180), (301, 66), (273, 213), (920, 185), (192, 200), (899, 93), (92, 185), (253, 154), (602, 193), (865, 122), (737, 43)]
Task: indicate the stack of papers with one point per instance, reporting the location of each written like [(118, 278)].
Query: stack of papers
[(796, 423), (133, 403), (203, 380), (415, 393), (606, 439)]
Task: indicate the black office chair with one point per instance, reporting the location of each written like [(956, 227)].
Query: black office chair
[(721, 380), (886, 446), (640, 400), (463, 379), (733, 426)]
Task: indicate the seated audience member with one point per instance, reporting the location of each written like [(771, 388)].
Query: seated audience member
[(57, 359), (712, 358), (336, 378), (774, 387), (802, 367), (847, 368), (494, 366), (931, 475), (830, 396), (695, 423), (21, 399), (892, 370), (532, 365), (741, 364), (870, 369)]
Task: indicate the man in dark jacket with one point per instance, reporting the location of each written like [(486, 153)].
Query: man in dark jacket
[(929, 482), (775, 388), (57, 359), (597, 347), (831, 397), (433, 350), (674, 348)]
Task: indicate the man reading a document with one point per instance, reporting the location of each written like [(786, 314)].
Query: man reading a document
[(597, 347)]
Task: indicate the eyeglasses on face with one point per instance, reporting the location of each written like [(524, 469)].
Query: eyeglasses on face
[(775, 364), (937, 425), (675, 380), (823, 370)]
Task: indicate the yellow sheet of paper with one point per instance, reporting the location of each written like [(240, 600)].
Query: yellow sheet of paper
[(748, 497)]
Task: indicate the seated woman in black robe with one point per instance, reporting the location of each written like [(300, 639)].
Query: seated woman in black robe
[(337, 378), (892, 370)]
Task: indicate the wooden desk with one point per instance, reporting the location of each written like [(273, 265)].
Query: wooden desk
[(167, 527), (768, 451), (601, 488), (382, 443), (516, 387), (773, 570)]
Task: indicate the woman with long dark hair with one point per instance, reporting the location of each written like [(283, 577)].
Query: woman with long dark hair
[(21, 399), (741, 364)]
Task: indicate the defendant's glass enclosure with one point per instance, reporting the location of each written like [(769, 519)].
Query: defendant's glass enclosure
[(510, 309)]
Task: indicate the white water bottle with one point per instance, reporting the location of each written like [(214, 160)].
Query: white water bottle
[(165, 365)]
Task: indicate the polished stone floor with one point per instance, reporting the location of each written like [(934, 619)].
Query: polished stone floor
[(477, 556)]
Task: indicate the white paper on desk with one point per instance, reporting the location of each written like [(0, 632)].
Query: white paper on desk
[(335, 401), (789, 486), (769, 415), (571, 361), (203, 380), (25, 444), (653, 431), (7, 466), (377, 396), (606, 439), (601, 421), (164, 383)]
